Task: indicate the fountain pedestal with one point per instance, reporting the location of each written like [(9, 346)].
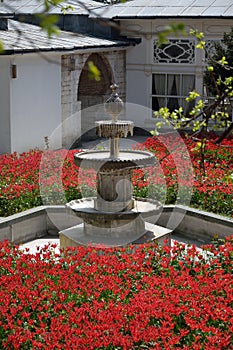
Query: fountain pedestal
[(75, 236), (114, 217), (114, 190)]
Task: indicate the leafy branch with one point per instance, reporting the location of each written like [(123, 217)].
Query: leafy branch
[(205, 116)]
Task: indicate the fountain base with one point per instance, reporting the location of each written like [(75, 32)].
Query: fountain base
[(114, 228), (75, 236)]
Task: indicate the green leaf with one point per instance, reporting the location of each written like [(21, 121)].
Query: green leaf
[(48, 23), (200, 45), (223, 61), (172, 28), (198, 35), (66, 9), (93, 71), (192, 96), (1, 47)]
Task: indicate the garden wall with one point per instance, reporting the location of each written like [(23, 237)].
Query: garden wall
[(40, 222), (196, 224)]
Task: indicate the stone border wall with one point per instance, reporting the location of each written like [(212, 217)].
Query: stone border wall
[(197, 224), (39, 222)]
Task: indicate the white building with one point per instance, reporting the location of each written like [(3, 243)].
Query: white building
[(163, 76), (30, 97), (44, 83)]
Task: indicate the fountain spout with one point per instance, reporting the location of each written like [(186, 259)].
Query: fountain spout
[(114, 104), (114, 129)]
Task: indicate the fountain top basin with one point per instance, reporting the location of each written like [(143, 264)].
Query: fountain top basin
[(126, 159), (114, 129)]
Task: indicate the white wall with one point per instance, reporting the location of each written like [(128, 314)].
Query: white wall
[(5, 144), (136, 59), (138, 77), (35, 101)]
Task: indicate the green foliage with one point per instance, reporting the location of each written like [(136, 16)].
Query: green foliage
[(220, 66), (199, 36), (16, 204), (48, 23), (218, 79), (93, 71), (172, 28), (1, 47)]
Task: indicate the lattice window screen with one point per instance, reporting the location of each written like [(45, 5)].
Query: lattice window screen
[(209, 46), (176, 51)]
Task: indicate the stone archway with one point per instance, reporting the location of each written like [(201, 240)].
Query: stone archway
[(92, 92)]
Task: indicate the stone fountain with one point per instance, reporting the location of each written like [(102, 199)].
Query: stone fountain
[(114, 217)]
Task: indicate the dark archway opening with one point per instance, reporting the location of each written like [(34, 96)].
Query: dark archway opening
[(92, 92)]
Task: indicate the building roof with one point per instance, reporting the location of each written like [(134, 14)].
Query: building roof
[(167, 8), (22, 38), (81, 7)]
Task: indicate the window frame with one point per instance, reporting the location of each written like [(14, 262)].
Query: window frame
[(180, 97)]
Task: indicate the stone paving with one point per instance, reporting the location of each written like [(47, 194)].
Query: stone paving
[(33, 246), (39, 243)]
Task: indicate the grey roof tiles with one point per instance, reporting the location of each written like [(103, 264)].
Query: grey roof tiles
[(34, 6), (167, 8), (22, 37), (128, 9)]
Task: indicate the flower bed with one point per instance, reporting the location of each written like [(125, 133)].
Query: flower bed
[(154, 298), (22, 177), (213, 185)]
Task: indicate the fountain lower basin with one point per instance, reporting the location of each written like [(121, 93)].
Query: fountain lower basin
[(114, 176), (126, 159), (85, 209)]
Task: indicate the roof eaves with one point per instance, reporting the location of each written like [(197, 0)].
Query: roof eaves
[(169, 16), (64, 49)]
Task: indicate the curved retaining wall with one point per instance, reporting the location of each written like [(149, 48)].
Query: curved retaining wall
[(40, 222)]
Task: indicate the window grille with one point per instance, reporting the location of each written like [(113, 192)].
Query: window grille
[(176, 51), (209, 46)]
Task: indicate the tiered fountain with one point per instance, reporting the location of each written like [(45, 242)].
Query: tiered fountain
[(114, 217)]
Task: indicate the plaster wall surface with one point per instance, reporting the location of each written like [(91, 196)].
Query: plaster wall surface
[(35, 102), (5, 137)]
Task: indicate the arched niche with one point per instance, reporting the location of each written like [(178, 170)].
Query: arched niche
[(93, 92), (90, 91)]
